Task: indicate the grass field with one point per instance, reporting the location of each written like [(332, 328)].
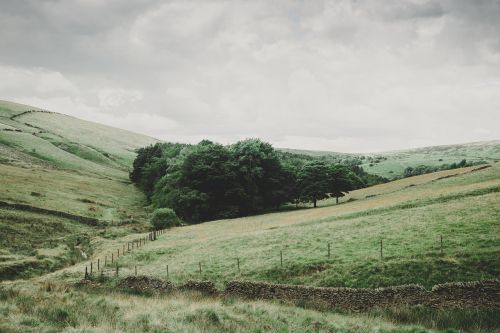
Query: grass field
[(61, 163), (409, 216)]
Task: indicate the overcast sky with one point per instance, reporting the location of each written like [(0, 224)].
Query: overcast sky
[(350, 76)]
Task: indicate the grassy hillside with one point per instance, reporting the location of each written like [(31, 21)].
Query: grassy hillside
[(409, 216), (392, 164), (61, 163)]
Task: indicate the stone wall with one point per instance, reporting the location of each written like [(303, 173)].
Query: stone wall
[(481, 294), (82, 219)]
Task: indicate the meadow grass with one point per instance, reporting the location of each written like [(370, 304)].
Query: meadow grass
[(76, 192), (118, 144), (409, 220), (55, 307), (33, 244)]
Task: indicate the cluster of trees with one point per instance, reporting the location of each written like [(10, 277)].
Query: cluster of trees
[(210, 181), (423, 169)]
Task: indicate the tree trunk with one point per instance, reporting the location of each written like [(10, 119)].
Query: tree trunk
[(337, 199), (314, 203)]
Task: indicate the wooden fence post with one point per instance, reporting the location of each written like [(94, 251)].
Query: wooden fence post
[(91, 268), (135, 270), (98, 264), (116, 269), (118, 253), (167, 270), (128, 245), (86, 273), (112, 259), (328, 249), (281, 258), (199, 264)]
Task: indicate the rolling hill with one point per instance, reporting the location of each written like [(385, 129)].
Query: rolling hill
[(59, 162), (392, 164), (62, 164), (433, 228)]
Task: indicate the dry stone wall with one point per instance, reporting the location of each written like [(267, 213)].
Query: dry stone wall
[(481, 294)]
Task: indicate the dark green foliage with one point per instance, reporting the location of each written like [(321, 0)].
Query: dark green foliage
[(313, 182), (342, 180), (260, 174), (367, 179), (210, 181), (164, 218), (318, 180), (151, 164)]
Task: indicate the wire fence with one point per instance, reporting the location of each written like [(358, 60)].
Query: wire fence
[(102, 265), (109, 264)]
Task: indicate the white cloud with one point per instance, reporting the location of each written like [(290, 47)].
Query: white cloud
[(333, 75), (110, 98)]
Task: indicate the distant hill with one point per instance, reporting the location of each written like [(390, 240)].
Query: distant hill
[(66, 141), (392, 164)]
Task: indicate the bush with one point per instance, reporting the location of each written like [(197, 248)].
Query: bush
[(164, 218)]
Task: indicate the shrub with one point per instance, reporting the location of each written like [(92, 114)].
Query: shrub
[(164, 218)]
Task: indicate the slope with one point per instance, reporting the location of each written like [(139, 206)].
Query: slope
[(63, 164), (409, 216)]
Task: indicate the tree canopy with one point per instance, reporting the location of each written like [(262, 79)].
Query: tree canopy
[(210, 181)]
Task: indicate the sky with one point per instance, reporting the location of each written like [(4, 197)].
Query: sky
[(340, 75)]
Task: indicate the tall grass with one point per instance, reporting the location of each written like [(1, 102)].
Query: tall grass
[(55, 308)]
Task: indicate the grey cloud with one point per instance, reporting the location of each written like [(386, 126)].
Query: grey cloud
[(346, 74)]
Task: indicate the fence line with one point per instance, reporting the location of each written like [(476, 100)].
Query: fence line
[(139, 242), (154, 236)]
